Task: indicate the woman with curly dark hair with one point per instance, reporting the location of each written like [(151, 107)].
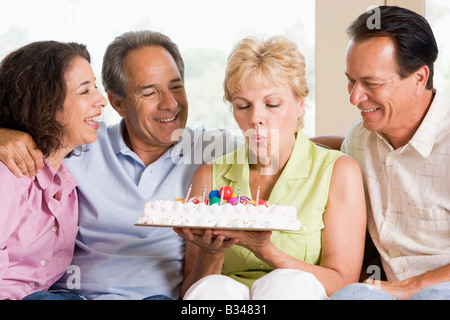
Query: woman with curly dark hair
[(48, 90)]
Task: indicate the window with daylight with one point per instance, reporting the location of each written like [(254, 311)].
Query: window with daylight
[(437, 13), (204, 30)]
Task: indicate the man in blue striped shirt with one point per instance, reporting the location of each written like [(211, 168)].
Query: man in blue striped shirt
[(148, 155)]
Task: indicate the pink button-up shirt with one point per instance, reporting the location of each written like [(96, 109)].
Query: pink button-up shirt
[(38, 226)]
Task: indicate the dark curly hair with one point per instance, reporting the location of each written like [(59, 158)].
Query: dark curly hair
[(33, 90)]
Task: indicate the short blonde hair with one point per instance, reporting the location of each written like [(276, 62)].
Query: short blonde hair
[(273, 59)]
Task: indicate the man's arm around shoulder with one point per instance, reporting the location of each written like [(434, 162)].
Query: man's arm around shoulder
[(19, 153)]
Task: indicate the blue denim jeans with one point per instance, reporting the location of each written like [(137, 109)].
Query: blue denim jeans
[(361, 291), (67, 295), (55, 295), (158, 297)]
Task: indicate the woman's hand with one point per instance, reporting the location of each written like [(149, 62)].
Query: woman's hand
[(207, 240), (217, 240), (251, 240)]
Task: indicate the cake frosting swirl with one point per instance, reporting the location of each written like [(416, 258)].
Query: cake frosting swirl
[(200, 214)]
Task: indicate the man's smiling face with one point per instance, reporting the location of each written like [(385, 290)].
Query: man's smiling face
[(376, 88), (156, 103)]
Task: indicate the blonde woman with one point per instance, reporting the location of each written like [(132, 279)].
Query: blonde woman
[(266, 86)]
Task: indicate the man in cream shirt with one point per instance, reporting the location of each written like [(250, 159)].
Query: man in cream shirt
[(402, 143)]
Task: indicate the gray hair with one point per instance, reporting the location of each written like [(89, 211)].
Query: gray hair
[(113, 76)]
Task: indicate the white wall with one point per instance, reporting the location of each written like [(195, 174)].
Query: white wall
[(334, 113)]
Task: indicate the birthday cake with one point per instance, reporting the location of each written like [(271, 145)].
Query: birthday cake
[(228, 211)]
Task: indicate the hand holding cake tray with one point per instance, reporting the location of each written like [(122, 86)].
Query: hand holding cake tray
[(223, 210)]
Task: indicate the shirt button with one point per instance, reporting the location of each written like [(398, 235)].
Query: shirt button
[(42, 263), (395, 254), (400, 270), (393, 191), (31, 284), (55, 228)]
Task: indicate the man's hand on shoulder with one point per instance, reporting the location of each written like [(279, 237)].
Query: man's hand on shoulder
[(19, 153)]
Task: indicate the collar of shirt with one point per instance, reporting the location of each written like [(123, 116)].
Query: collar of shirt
[(63, 179), (425, 136), (119, 146), (299, 154)]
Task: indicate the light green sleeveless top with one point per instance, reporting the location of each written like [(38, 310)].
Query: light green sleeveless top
[(304, 184)]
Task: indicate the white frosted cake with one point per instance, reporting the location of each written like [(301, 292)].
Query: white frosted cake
[(200, 214)]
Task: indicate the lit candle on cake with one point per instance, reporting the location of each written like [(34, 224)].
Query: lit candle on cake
[(188, 193), (221, 195), (257, 196), (204, 193)]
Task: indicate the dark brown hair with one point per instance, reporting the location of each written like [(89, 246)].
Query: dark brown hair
[(33, 90), (413, 37)]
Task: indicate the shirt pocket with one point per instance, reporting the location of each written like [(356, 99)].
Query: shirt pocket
[(429, 228)]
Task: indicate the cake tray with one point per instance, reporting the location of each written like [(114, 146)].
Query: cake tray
[(212, 228)]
